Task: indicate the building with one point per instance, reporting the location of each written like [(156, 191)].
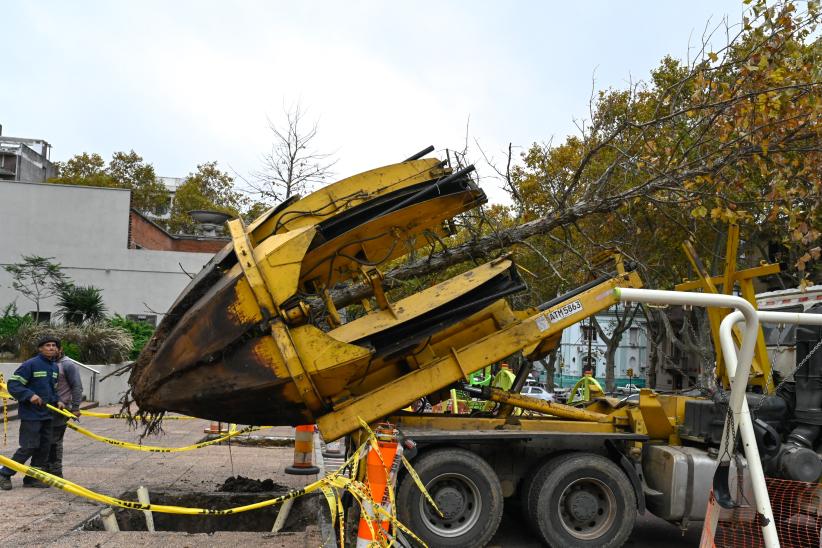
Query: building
[(100, 241), (632, 352), (25, 160)]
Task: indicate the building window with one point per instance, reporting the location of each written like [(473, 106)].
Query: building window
[(43, 317), (633, 336), (589, 333), (150, 319)]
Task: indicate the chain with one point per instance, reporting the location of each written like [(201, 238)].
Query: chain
[(769, 382), (801, 365)]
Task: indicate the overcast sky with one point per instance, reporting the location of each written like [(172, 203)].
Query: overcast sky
[(184, 83)]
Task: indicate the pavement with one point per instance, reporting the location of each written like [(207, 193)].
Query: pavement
[(46, 517), (50, 517), (649, 532)]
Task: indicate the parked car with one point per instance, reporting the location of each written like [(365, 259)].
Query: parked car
[(627, 389), (537, 392), (561, 394)]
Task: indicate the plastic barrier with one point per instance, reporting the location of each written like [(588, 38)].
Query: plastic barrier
[(796, 511)]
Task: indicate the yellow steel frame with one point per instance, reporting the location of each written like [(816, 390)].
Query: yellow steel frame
[(761, 367), (450, 368)]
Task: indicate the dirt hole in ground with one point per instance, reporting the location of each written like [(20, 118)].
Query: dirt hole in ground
[(303, 513)]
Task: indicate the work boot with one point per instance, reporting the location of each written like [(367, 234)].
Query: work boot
[(5, 483), (35, 484)]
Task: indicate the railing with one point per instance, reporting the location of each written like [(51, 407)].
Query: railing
[(92, 392)]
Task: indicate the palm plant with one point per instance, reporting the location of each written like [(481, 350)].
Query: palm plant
[(81, 304)]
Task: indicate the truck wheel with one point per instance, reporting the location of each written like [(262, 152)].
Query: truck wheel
[(583, 500), (465, 489), (529, 484)]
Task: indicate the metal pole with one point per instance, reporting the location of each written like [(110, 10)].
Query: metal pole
[(738, 402)]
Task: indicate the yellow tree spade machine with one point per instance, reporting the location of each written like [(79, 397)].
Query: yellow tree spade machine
[(256, 338)]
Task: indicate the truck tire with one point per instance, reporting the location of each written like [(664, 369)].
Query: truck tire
[(467, 491), (583, 500), (527, 486)]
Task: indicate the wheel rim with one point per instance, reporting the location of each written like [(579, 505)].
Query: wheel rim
[(587, 508), (458, 497)]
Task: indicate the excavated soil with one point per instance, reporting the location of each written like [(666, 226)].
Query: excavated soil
[(242, 484)]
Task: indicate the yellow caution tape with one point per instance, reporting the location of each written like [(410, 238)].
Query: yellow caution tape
[(136, 446), (73, 488), (4, 396), (150, 448), (97, 415), (328, 485)]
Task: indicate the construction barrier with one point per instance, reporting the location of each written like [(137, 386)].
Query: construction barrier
[(797, 513), (329, 486)]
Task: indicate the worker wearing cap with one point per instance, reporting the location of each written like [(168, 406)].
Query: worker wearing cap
[(33, 385)]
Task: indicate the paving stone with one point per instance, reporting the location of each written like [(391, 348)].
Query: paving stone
[(38, 517)]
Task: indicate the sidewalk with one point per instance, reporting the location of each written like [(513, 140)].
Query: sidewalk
[(38, 517)]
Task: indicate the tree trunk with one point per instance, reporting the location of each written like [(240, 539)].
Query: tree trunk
[(549, 369), (610, 364)]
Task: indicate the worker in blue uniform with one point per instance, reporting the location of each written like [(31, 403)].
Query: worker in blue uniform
[(33, 385)]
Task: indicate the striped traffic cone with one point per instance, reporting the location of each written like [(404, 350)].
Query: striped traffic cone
[(378, 484), (303, 452)]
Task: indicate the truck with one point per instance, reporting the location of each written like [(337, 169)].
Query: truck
[(293, 322)]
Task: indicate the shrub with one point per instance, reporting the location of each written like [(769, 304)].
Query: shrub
[(10, 323), (94, 343), (141, 333)]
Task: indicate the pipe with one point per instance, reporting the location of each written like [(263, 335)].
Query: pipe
[(738, 402), (435, 186), (742, 416), (109, 520), (142, 496), (541, 406), (420, 154)]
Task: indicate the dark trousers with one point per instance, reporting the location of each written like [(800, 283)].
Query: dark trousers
[(35, 444), (58, 430)]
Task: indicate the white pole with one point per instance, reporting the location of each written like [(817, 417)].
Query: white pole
[(742, 419), (142, 496), (739, 379), (109, 520), (282, 515)]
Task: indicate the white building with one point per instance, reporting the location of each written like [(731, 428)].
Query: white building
[(632, 352), (99, 241)]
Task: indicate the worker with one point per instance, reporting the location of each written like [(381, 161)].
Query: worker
[(33, 385), (70, 393), (504, 379)]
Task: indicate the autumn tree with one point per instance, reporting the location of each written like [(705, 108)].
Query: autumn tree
[(653, 155), (208, 188), (293, 165), (125, 170)]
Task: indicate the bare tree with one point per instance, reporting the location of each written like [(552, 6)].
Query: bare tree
[(292, 166), (624, 317)]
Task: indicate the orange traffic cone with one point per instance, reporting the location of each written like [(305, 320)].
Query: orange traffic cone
[(303, 452), (214, 428), (379, 481)]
